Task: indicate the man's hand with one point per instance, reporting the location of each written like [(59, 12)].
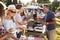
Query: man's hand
[(39, 18)]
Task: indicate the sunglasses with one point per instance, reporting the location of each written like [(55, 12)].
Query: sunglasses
[(12, 11)]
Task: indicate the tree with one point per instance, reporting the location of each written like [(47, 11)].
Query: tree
[(54, 5), (0, 0), (43, 1), (14, 1), (9, 2)]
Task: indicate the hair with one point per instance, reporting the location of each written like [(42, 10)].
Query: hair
[(1, 10), (1, 15), (22, 14), (18, 6), (12, 16)]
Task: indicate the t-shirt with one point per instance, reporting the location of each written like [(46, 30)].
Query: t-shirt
[(49, 17), (9, 24), (18, 18)]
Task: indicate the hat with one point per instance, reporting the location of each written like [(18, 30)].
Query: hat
[(11, 7)]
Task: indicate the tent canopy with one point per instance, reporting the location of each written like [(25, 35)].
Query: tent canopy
[(33, 7)]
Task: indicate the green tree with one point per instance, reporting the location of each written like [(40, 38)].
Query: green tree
[(9, 2), (14, 1), (43, 1), (54, 5)]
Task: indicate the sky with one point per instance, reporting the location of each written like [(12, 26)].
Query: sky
[(26, 1)]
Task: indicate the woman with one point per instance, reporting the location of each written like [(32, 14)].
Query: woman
[(8, 21), (4, 36)]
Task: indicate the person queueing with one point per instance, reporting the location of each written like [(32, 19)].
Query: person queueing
[(7, 35)]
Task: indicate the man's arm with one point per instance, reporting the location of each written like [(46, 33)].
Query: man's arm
[(41, 18), (52, 22)]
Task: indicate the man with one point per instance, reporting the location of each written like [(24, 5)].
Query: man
[(50, 22)]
